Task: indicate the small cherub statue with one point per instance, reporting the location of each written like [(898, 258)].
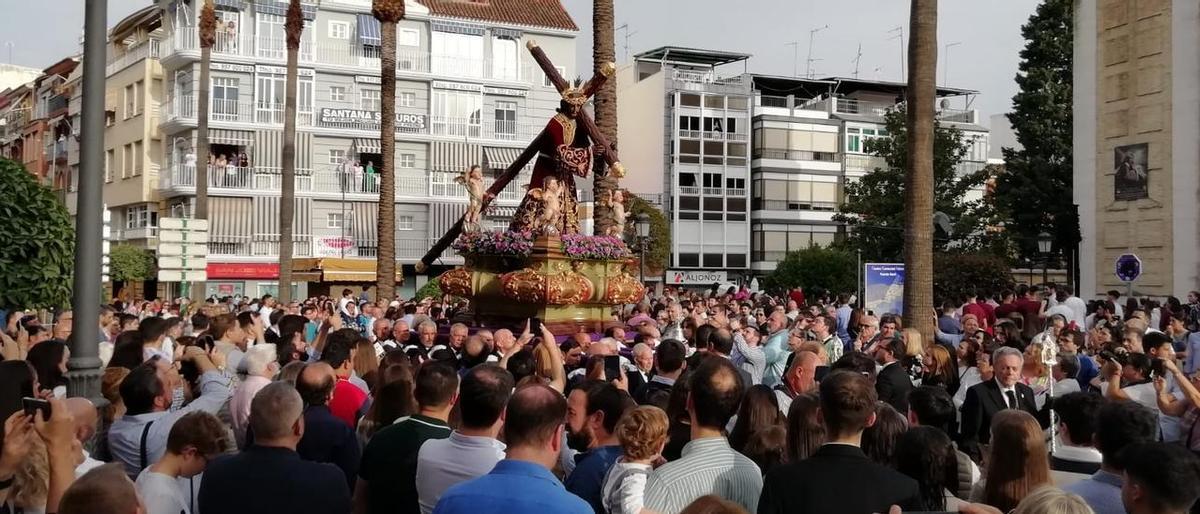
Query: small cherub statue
[(617, 204), (551, 197), (472, 180)]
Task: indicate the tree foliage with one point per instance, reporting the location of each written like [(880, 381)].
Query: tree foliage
[(830, 269), (955, 273), (129, 263), (874, 205), (37, 245), (1035, 192), (659, 249)]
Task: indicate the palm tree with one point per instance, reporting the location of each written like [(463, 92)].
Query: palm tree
[(294, 28), (918, 204), (603, 53), (208, 27), (388, 12)]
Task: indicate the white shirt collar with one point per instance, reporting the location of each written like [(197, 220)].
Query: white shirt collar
[(1003, 389)]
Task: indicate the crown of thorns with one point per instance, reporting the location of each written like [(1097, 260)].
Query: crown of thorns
[(574, 96)]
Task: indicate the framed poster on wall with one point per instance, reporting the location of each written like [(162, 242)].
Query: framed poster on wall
[(1131, 168)]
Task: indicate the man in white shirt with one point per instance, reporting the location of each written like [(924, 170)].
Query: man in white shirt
[(472, 450), (194, 440)]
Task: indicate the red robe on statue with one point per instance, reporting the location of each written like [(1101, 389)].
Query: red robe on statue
[(564, 152)]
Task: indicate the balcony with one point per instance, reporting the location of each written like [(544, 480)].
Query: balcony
[(183, 109), (352, 183), (267, 245), (864, 163), (789, 205), (182, 179), (709, 82), (794, 155), (500, 130), (133, 233), (352, 54), (407, 249), (149, 49)]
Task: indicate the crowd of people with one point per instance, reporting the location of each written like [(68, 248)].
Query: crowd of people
[(716, 401)]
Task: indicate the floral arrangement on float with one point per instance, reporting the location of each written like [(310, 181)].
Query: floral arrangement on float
[(497, 243), (579, 246)]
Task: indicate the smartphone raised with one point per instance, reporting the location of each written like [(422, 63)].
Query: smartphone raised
[(32, 405), (612, 368), (535, 325)]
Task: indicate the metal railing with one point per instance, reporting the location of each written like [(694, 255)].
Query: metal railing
[(864, 162), (792, 205), (230, 245), (713, 191), (735, 191), (689, 190), (233, 177), (267, 245), (183, 108), (794, 155), (150, 48), (773, 101)]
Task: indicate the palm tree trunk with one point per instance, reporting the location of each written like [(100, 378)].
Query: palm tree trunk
[(918, 205), (294, 28), (604, 53), (207, 28), (388, 12)]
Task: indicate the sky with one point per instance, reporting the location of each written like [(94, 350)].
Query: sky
[(986, 35)]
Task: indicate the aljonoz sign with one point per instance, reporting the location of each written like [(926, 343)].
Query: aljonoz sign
[(681, 277), (343, 117)]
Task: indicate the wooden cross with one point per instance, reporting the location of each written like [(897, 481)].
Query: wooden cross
[(586, 124)]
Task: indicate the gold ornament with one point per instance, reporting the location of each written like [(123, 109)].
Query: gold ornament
[(457, 282)]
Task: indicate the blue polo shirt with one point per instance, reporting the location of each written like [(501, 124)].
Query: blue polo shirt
[(587, 479), (493, 493)]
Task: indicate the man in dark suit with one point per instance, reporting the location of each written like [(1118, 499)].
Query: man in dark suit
[(892, 383), (831, 481), (270, 476), (326, 438), (985, 399), (669, 363)]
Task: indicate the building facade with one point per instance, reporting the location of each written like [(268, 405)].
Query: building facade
[(1135, 139), (467, 93), (685, 137)]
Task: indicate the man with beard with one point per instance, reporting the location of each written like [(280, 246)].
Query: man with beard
[(593, 410)]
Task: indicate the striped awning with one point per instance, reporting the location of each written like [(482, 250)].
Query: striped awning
[(364, 145), (266, 216), (453, 157), (498, 211), (365, 226), (342, 270), (279, 8), (499, 158), (443, 215), (369, 32), (231, 4), (457, 28), (229, 219), (230, 137)]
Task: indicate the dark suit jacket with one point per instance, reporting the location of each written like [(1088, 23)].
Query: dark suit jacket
[(893, 385), (267, 479), (982, 402), (328, 439), (837, 479)]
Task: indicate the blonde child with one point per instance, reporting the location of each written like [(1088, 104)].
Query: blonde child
[(643, 434)]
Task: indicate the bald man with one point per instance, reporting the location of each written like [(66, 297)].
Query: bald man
[(801, 378), (85, 416), (326, 437)]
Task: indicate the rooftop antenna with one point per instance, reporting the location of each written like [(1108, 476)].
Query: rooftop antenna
[(628, 34), (857, 60), (812, 34), (795, 57), (899, 34), (946, 64)]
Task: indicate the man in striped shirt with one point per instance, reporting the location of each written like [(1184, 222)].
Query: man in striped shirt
[(708, 465)]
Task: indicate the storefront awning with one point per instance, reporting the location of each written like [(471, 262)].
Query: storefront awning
[(369, 32), (500, 158), (363, 145), (231, 137), (229, 4), (341, 270)]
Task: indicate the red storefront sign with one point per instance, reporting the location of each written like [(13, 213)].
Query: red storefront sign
[(256, 270)]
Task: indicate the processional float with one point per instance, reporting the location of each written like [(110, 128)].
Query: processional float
[(542, 267)]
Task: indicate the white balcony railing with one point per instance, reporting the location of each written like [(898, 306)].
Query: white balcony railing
[(232, 177), (150, 48), (689, 190), (184, 108)]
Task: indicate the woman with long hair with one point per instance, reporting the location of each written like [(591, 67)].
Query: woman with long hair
[(805, 433), (967, 356), (127, 350), (1017, 461), (914, 347), (392, 399), (49, 360), (1035, 373), (767, 448), (1007, 334), (759, 410), (366, 363), (926, 455), (879, 440), (939, 369)]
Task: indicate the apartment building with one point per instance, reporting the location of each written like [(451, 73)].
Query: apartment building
[(467, 93), (684, 137), (32, 123), (810, 139)]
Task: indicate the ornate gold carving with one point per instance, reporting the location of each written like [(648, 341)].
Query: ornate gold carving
[(457, 282), (608, 68), (568, 288), (525, 286), (559, 285), (623, 288), (568, 127)]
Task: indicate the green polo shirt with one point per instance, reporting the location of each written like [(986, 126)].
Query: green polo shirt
[(389, 463)]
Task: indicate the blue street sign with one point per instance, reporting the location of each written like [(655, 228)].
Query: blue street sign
[(1129, 267)]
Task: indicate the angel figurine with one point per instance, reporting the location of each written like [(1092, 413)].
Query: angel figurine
[(616, 203), (551, 198), (472, 180)]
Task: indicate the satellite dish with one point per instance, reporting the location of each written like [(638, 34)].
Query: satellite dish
[(945, 103)]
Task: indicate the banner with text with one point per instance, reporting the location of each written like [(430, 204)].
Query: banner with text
[(357, 118), (883, 290), (686, 277)]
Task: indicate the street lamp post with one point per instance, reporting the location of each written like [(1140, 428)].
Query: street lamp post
[(643, 234), (1045, 241)]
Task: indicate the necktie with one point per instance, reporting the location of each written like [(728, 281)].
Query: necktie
[(1012, 399)]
